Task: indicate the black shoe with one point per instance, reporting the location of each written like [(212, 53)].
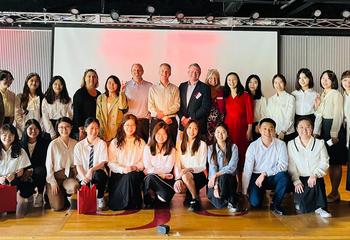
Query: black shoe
[(277, 210), (195, 205), (187, 202), (149, 201)]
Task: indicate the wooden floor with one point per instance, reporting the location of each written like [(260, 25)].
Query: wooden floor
[(207, 224)]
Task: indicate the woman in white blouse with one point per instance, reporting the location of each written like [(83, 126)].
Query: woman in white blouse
[(191, 158), (281, 108), (126, 165), (345, 83), (13, 160), (90, 158), (305, 96), (308, 164), (330, 112), (222, 159), (56, 104), (28, 103), (109, 108), (159, 159), (61, 173), (253, 87)]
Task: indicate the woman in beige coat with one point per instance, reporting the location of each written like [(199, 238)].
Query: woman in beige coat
[(110, 107)]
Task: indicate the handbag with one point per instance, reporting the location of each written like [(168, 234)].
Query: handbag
[(8, 198), (87, 203)]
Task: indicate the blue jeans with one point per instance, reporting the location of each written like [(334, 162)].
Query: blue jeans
[(279, 182)]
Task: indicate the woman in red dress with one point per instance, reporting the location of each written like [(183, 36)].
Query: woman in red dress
[(239, 118)]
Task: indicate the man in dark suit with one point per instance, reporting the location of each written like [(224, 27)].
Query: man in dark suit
[(195, 102)]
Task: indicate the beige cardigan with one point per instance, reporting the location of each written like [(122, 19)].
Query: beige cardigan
[(110, 119)]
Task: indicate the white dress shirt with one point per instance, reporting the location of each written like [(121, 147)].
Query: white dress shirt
[(82, 153), (137, 96), (59, 156), (10, 165), (312, 160), (55, 111), (159, 163), (165, 99), (331, 107), (304, 101), (131, 154), (33, 111), (260, 159), (197, 161), (281, 108), (260, 110)]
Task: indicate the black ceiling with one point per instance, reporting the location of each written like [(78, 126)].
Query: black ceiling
[(240, 8)]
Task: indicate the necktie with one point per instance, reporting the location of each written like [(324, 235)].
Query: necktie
[(91, 156)]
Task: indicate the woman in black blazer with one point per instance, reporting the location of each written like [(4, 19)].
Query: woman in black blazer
[(35, 143)]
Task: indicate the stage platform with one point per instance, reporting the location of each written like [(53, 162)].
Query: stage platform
[(206, 224)]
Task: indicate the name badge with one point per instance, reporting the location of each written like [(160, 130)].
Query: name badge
[(198, 95)]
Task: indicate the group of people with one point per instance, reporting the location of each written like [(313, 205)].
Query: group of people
[(231, 139)]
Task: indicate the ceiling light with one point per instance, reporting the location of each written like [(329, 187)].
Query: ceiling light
[(114, 15), (345, 14), (74, 11), (210, 18), (317, 13), (150, 9), (255, 15), (180, 16), (9, 20)]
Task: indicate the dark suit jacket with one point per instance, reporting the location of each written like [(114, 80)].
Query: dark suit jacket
[(199, 105), (38, 157)]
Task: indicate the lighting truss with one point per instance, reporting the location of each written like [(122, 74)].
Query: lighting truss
[(46, 18)]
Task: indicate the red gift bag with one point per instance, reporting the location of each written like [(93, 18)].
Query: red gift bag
[(87, 202), (8, 198)]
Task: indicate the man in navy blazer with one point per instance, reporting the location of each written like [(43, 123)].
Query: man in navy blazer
[(195, 101)]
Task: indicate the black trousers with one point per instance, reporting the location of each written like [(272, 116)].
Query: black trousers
[(25, 188), (312, 198), (162, 187), (143, 128), (39, 178), (100, 180), (173, 127), (227, 184), (125, 191)]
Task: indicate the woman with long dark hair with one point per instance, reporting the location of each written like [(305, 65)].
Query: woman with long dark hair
[(239, 118), (109, 108), (191, 158), (222, 159), (159, 159), (253, 88), (56, 104), (35, 143), (126, 165), (28, 103)]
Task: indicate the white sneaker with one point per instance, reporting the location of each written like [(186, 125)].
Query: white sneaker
[(323, 213), (100, 203), (231, 208), (38, 200)]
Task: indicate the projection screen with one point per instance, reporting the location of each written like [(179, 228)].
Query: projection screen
[(113, 51)]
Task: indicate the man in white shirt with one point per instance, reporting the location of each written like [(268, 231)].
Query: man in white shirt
[(136, 91), (266, 167), (164, 101)]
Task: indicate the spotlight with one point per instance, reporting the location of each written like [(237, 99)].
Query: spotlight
[(74, 11), (346, 14), (114, 15), (150, 9), (9, 20), (180, 16), (255, 15), (317, 13), (210, 18)]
